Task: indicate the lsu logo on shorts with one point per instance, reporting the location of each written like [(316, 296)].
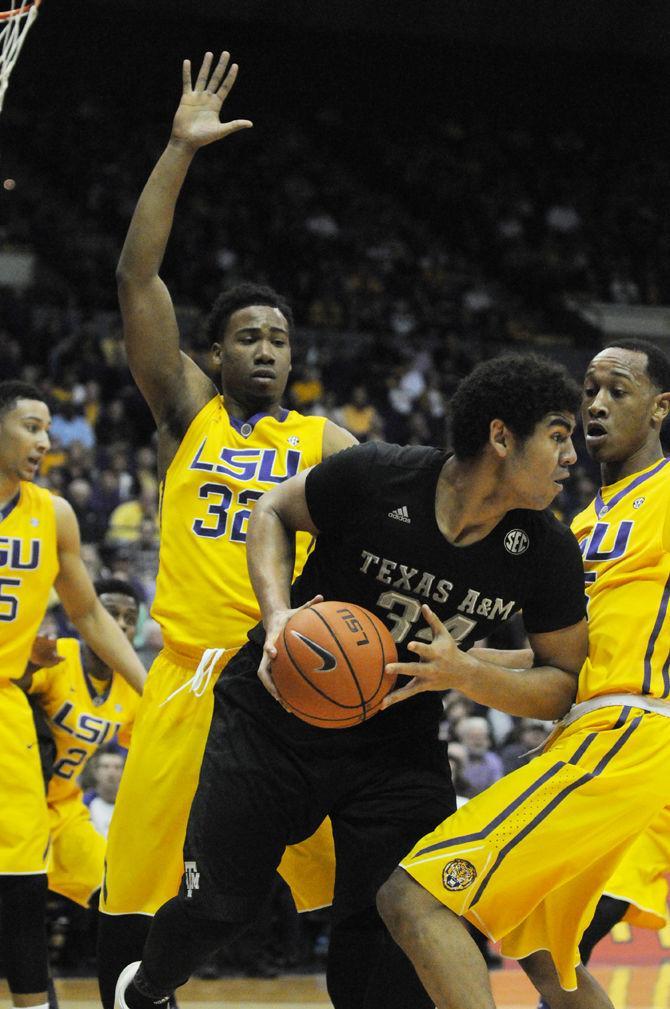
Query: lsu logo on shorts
[(458, 874)]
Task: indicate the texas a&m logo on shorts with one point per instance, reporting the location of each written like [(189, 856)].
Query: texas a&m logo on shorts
[(458, 874)]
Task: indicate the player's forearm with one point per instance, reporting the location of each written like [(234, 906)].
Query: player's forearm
[(270, 559), (512, 658), (544, 692), (151, 224), (104, 636)]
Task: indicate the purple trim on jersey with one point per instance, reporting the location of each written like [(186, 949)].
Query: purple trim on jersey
[(252, 421), (660, 617), (600, 504), (666, 677), (556, 801), (9, 507), (497, 820)]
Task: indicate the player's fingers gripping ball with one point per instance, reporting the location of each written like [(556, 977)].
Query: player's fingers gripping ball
[(329, 668)]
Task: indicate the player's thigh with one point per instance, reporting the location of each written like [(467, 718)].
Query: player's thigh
[(77, 857), (24, 824), (402, 794), (554, 829), (146, 835), (253, 798)]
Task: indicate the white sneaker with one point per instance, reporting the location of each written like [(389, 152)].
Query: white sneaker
[(125, 977)]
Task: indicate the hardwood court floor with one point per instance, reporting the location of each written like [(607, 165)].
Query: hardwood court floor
[(634, 987)]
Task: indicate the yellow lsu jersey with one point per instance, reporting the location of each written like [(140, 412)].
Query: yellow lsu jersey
[(222, 466), (624, 536), (28, 568), (80, 717)]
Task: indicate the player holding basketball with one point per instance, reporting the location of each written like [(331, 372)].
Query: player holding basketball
[(39, 548), (86, 705), (217, 456), (476, 543), (527, 860)]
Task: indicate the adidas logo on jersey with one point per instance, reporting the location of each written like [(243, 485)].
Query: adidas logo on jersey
[(401, 514)]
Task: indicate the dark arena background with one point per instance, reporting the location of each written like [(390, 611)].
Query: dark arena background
[(428, 183)]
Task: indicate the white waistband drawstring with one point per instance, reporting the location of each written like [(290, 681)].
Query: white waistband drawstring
[(200, 680)]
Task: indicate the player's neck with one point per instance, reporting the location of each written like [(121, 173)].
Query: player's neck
[(468, 502), (243, 410), (9, 488), (612, 472), (95, 668)]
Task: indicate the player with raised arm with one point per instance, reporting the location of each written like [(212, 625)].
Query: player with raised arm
[(527, 860), (39, 549), (476, 543), (217, 455)]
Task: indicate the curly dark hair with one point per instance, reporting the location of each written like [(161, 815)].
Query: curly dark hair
[(241, 296), (519, 389), (658, 362), (12, 391), (118, 586)]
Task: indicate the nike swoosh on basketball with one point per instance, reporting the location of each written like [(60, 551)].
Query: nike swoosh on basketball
[(329, 660)]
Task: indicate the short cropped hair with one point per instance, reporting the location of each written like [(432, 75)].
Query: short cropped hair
[(11, 391), (519, 389), (242, 296), (658, 362), (117, 586)]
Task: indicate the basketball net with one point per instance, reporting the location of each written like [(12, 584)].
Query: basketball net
[(15, 24)]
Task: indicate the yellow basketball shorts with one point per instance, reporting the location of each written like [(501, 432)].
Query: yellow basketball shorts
[(24, 825), (640, 878), (527, 860), (144, 860), (77, 852)]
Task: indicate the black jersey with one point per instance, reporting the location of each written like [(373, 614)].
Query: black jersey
[(379, 546)]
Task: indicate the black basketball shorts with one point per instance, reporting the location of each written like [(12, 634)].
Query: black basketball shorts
[(258, 793)]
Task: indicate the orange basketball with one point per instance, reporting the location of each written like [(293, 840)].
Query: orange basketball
[(330, 663)]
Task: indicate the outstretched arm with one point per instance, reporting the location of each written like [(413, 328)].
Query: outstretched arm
[(83, 607), (173, 386)]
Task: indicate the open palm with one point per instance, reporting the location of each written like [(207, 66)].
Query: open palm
[(197, 121)]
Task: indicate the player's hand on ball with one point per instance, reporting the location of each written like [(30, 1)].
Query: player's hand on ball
[(196, 122), (437, 668), (275, 625)]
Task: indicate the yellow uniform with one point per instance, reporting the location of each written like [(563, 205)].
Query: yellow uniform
[(83, 715), (527, 860), (641, 877), (203, 599), (28, 568)]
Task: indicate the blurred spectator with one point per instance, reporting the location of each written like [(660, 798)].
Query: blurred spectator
[(482, 765), (107, 768), (522, 742), (126, 523), (70, 426), (359, 416)]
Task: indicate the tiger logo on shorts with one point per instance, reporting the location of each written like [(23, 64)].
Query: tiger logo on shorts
[(458, 874)]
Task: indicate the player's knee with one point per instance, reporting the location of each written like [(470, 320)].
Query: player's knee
[(397, 902), (541, 970)]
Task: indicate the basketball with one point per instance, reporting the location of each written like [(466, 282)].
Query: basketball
[(329, 668)]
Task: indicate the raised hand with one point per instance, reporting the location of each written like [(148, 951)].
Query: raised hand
[(196, 122)]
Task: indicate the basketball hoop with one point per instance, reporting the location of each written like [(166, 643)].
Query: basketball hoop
[(14, 26)]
